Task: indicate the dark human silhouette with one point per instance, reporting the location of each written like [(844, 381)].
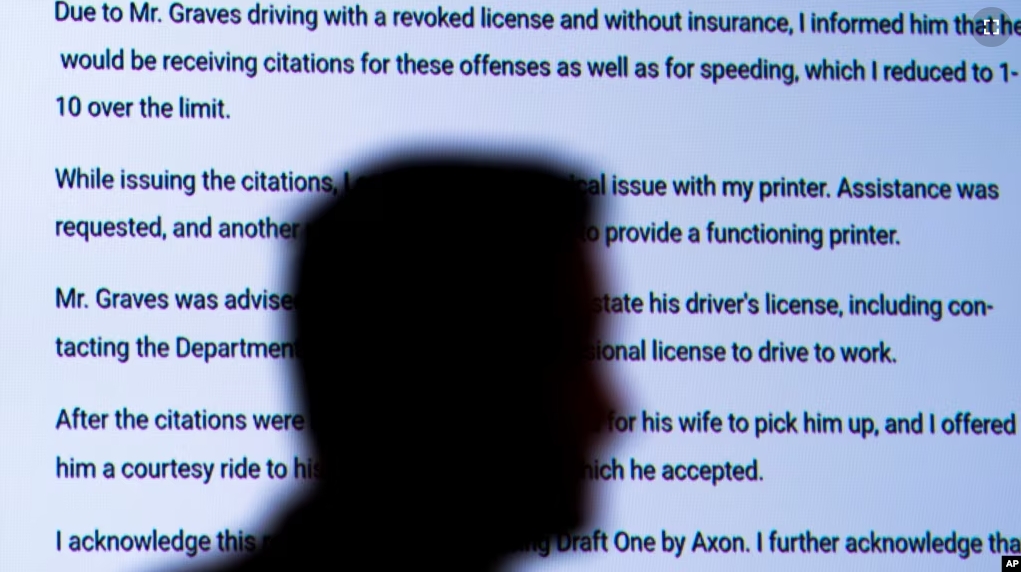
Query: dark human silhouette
[(443, 309)]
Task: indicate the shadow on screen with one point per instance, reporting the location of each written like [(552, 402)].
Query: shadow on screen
[(443, 310)]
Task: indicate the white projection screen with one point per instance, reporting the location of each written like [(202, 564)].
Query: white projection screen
[(804, 235)]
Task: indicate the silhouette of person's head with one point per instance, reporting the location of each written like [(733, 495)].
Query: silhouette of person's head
[(443, 311)]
